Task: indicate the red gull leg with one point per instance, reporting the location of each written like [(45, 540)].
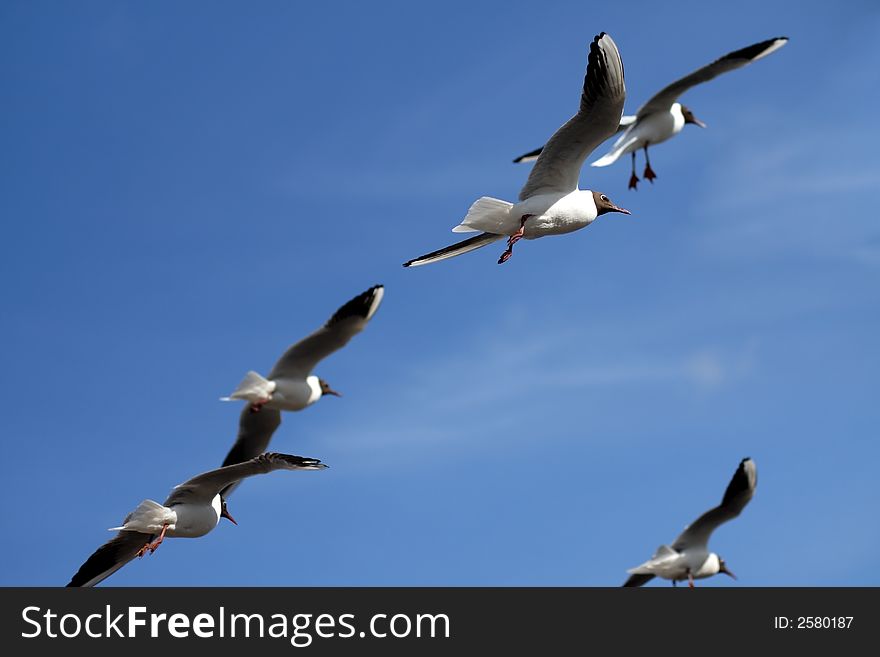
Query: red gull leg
[(513, 239), (634, 179), (155, 544), (649, 172), (690, 580)]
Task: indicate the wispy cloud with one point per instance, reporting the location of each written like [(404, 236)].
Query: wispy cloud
[(703, 369), (489, 389), (804, 195)]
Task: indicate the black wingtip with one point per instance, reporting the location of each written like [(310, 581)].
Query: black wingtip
[(602, 62), (637, 580), (527, 156), (459, 248), (298, 461), (360, 306), (740, 482), (758, 50)]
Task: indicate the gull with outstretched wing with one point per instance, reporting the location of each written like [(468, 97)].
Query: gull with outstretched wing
[(663, 116), (290, 385), (550, 202), (192, 510), (688, 558)]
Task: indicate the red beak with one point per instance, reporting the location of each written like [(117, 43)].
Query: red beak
[(225, 514)]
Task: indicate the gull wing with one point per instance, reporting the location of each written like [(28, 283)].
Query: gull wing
[(109, 558), (299, 360), (739, 491), (531, 156), (663, 99), (202, 488), (457, 249), (255, 430), (637, 580), (559, 164)]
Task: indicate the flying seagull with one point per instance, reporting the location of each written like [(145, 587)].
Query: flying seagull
[(663, 116), (290, 385), (550, 203), (192, 509), (688, 558)]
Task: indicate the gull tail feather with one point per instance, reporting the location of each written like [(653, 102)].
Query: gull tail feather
[(614, 154), (149, 516), (253, 388), (470, 244), (486, 214)]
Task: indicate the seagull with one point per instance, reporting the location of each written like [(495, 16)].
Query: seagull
[(290, 385), (688, 558), (663, 116), (550, 203), (192, 509)]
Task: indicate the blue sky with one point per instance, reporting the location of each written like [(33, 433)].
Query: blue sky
[(187, 189)]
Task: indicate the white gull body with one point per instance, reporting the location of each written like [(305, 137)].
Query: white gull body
[(184, 520), (678, 566), (278, 392), (554, 213), (653, 129)]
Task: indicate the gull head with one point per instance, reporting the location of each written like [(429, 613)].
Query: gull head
[(604, 204), (224, 512), (690, 118), (722, 568), (326, 389)]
